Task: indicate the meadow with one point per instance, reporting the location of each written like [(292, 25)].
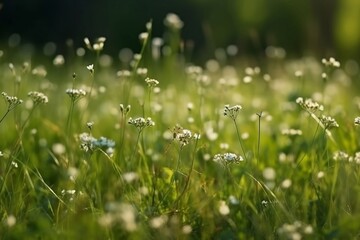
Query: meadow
[(152, 146)]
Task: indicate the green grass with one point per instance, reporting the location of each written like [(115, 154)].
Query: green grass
[(60, 180)]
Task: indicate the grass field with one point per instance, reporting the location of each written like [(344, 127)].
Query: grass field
[(158, 148)]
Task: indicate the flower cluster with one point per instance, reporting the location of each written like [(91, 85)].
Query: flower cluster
[(184, 136), (151, 82), (309, 104), (75, 94), (291, 132), (141, 123), (331, 62), (89, 143), (343, 156), (98, 44), (295, 230), (340, 156), (123, 74), (38, 97), (328, 122), (11, 100), (232, 112), (39, 71), (251, 73), (357, 121), (228, 158)]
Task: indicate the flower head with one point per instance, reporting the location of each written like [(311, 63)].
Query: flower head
[(89, 143), (98, 44), (90, 68), (173, 21), (331, 62), (309, 105), (38, 97), (184, 136), (232, 112), (328, 122), (75, 94), (11, 100), (228, 158), (151, 82), (357, 121), (141, 123)]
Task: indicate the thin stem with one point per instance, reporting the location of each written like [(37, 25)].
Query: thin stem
[(172, 180), (239, 137), (122, 129), (258, 143), (135, 147), (189, 174), (143, 47), (21, 131), (68, 121), (6, 113)]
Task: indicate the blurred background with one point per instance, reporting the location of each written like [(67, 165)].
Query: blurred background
[(319, 27)]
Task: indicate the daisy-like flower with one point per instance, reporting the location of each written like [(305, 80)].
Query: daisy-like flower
[(141, 123), (75, 94), (232, 112), (328, 122), (357, 121), (309, 105), (228, 158), (38, 97)]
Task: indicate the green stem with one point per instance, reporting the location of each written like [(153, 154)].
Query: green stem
[(189, 175), (68, 121), (6, 113), (240, 141)]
